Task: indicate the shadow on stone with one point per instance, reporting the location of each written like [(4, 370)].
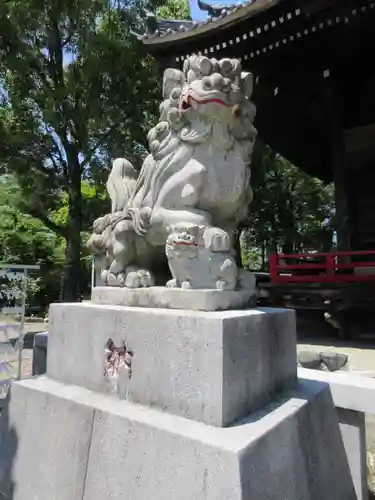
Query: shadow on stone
[(297, 438), (8, 450)]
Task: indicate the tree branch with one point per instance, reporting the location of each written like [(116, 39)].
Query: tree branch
[(59, 155), (88, 156), (37, 214), (54, 163)]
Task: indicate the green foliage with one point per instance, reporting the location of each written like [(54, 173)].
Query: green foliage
[(24, 240), (77, 90), (174, 9), (289, 209)]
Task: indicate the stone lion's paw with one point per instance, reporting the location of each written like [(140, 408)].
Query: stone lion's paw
[(221, 285), (100, 224), (138, 278), (220, 242), (121, 279), (171, 283), (112, 279), (146, 278), (216, 239), (104, 276), (133, 280)]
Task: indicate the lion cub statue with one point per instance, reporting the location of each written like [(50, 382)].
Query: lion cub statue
[(200, 257)]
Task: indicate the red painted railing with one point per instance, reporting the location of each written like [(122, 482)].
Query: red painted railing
[(333, 267)]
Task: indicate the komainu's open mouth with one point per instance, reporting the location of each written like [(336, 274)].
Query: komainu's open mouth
[(185, 243), (189, 101)]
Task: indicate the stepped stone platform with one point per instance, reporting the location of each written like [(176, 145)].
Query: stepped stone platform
[(211, 410)]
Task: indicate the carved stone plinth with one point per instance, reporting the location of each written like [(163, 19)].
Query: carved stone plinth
[(174, 298), (214, 367)]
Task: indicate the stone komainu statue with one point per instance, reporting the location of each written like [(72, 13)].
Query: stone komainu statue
[(197, 172)]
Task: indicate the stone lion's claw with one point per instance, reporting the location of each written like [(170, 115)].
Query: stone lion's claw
[(100, 224), (138, 278), (171, 283), (133, 280), (121, 279), (112, 279), (104, 276)]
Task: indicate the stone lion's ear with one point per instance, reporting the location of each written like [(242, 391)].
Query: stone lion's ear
[(247, 83), (172, 78), (191, 76)]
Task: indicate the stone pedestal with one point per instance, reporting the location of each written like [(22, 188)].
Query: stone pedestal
[(213, 412), (175, 298), (214, 367), (69, 443)]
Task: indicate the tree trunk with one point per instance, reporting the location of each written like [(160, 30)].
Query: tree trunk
[(237, 247), (263, 265), (72, 291)]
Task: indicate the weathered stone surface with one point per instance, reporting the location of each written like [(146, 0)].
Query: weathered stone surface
[(309, 359), (174, 298), (210, 366), (134, 452), (44, 444), (330, 361), (333, 361)]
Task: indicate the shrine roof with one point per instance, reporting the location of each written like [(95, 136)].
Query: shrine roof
[(219, 18), (298, 50)]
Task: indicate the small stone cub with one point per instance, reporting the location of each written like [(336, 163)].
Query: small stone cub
[(200, 257)]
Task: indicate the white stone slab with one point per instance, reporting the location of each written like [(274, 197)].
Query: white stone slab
[(174, 298), (290, 450), (351, 392), (210, 366)]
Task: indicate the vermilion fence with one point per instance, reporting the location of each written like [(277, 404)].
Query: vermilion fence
[(333, 267)]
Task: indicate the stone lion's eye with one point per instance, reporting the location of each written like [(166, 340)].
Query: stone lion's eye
[(207, 83), (175, 94)]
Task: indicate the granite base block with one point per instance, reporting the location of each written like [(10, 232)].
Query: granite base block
[(96, 447), (214, 367)]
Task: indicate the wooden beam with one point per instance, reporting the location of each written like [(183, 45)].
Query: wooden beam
[(360, 139), (334, 109)]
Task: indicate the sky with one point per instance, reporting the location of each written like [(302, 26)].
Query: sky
[(199, 15)]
